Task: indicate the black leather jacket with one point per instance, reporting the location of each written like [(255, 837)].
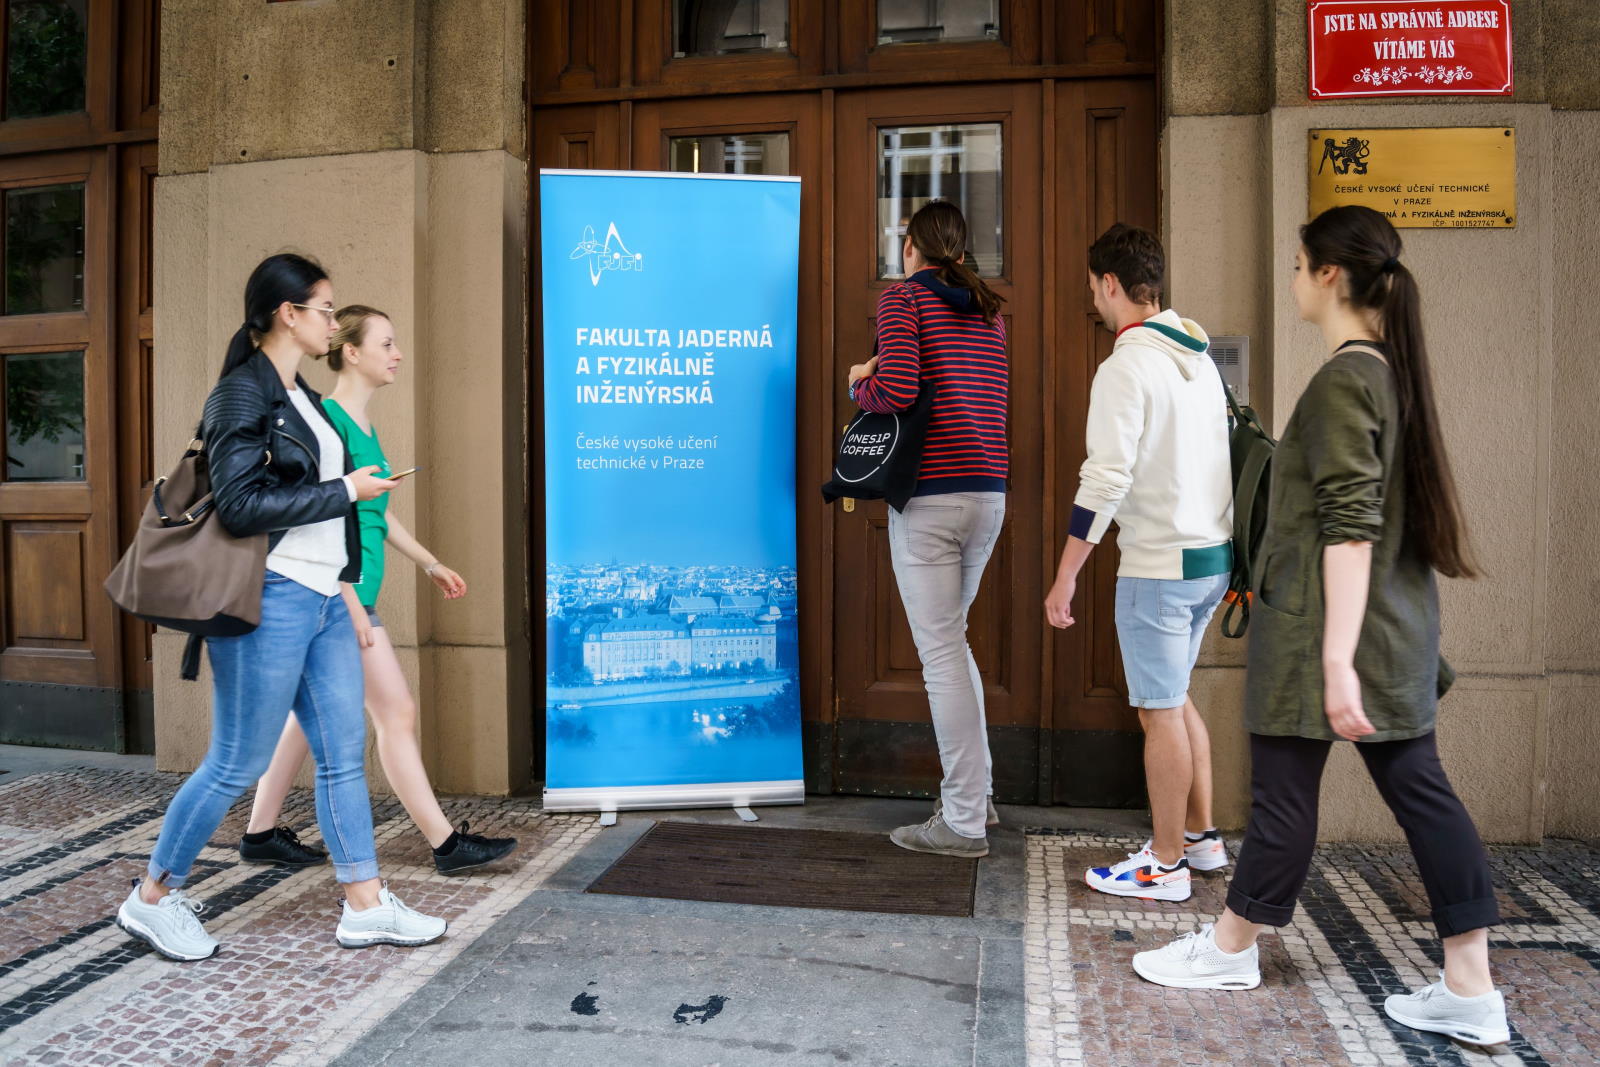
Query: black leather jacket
[(263, 461)]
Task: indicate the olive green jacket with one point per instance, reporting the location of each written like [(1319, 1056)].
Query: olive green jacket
[(1337, 477)]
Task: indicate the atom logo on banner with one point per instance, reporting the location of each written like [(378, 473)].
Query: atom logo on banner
[(612, 255)]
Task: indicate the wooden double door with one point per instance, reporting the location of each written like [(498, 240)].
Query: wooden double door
[(1039, 167)]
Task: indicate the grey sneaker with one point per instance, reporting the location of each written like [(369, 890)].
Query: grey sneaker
[(390, 923), (171, 927), (1479, 1020), (991, 816), (935, 836)]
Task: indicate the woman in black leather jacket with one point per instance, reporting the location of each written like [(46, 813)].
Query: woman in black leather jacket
[(279, 467)]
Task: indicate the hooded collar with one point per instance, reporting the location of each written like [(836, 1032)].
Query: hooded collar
[(1180, 339), (959, 298)]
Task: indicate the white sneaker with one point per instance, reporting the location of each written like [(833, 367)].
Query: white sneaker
[(1479, 1020), (1141, 875), (1206, 854), (1195, 962), (389, 923), (170, 927)]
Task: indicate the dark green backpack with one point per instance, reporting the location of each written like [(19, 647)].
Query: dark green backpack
[(1250, 450)]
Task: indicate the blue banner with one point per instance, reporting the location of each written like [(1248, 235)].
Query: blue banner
[(669, 411)]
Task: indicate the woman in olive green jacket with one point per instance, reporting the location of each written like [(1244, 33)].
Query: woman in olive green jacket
[(1344, 641)]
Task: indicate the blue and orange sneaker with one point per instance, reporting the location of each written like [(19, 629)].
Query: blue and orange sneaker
[(1142, 875)]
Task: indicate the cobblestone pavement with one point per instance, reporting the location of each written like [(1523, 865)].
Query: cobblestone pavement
[(1361, 933), (75, 990)]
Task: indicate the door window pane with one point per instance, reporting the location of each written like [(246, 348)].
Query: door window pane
[(961, 164), (906, 21), (44, 417), (45, 46), (732, 153), (44, 249), (725, 27)]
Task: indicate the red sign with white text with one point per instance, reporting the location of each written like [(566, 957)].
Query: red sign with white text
[(1409, 48)]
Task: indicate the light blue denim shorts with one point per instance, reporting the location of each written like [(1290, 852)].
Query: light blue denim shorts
[(1160, 622)]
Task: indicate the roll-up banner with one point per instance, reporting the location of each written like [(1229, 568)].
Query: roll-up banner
[(669, 409)]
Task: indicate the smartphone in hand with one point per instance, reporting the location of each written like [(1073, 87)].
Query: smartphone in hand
[(408, 472)]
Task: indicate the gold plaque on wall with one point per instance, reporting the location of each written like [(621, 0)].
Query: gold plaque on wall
[(1461, 177)]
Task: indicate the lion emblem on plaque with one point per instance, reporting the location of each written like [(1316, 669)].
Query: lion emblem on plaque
[(1347, 157)]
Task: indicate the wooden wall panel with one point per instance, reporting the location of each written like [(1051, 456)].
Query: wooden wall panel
[(585, 137), (575, 44), (44, 583), (1108, 31)]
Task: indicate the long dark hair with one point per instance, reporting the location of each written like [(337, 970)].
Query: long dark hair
[(938, 232), (1364, 244), (285, 276)]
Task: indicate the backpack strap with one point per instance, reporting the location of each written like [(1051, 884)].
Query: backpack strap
[(1237, 604), (1364, 346), (190, 669), (1244, 506), (1245, 488)]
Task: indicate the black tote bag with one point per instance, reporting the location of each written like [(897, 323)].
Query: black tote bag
[(879, 454)]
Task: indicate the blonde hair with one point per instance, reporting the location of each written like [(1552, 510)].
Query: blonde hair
[(353, 319)]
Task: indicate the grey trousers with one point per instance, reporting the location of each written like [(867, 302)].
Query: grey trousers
[(939, 546)]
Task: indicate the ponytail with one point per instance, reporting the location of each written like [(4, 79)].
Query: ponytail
[(1364, 244), (958, 274), (285, 277), (938, 232)]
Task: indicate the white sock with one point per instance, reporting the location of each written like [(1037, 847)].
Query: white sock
[(1192, 837)]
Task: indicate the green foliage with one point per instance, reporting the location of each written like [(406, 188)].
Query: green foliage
[(45, 66), (44, 227), (44, 397)]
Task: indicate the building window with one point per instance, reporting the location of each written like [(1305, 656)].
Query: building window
[(911, 21), (729, 27), (917, 164), (43, 416), (44, 249), (46, 41), (735, 153)]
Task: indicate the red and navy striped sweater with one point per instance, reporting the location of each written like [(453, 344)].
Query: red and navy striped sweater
[(930, 332)]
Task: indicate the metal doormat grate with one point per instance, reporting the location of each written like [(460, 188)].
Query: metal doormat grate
[(789, 869)]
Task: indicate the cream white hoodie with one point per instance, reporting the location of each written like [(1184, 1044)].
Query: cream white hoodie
[(1158, 454)]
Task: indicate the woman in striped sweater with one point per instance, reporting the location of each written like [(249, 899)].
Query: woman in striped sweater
[(941, 329)]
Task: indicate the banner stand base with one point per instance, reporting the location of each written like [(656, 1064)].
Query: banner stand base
[(741, 796)]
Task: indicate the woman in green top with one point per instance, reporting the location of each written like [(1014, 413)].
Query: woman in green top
[(364, 354), (1344, 641)]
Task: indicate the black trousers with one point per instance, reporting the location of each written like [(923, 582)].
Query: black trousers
[(1285, 777)]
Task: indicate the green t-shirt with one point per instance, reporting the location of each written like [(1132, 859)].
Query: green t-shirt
[(373, 515)]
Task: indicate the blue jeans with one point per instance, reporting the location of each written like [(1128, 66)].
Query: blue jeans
[(302, 656), (1160, 623)]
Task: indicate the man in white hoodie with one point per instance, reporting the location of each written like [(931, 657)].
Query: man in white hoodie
[(1157, 463)]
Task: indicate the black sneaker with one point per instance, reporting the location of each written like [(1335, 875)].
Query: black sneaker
[(472, 851), (282, 848)]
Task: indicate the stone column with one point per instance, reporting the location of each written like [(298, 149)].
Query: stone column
[(387, 141)]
